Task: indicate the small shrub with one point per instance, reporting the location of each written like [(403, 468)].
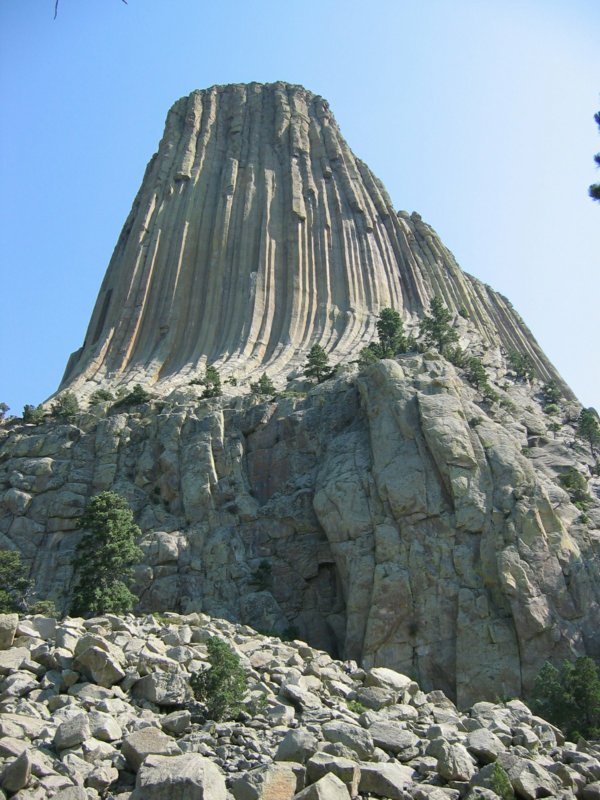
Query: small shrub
[(554, 427), (356, 706), (221, 687), (456, 356), (551, 408), (135, 397), (462, 311), (65, 407), (45, 608), (522, 364), (500, 783), (3, 409), (212, 383), (551, 393), (33, 415), (576, 485), (588, 428), (264, 385), (101, 396), (263, 578)]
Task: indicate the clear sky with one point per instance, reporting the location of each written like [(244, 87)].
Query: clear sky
[(478, 114)]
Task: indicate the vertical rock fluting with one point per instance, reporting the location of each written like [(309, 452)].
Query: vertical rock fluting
[(257, 233)]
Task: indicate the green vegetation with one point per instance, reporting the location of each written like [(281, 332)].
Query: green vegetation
[(66, 406), (551, 394), (457, 356), (262, 578), (392, 339), (212, 383), (356, 706), (576, 485), (317, 364), (522, 364), (500, 783), (222, 687), (101, 396), (588, 428), (594, 189), (33, 415), (569, 697), (436, 328), (105, 556), (135, 397), (264, 385), (477, 376), (14, 582), (552, 408), (3, 409)]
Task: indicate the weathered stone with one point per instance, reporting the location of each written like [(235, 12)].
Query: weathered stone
[(147, 741), (345, 769), (72, 732), (176, 722), (329, 787), (455, 763), (271, 782), (8, 627), (392, 737), (386, 780), (163, 689), (484, 745), (104, 727), (99, 660), (296, 745), (17, 774), (353, 737)]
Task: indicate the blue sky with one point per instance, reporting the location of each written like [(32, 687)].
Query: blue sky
[(478, 114)]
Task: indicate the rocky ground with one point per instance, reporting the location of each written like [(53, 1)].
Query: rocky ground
[(102, 708)]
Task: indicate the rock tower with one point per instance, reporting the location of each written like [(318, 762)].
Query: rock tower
[(257, 233)]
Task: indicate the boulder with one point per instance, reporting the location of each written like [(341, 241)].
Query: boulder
[(145, 742), (297, 745), (329, 787), (455, 763), (17, 774), (270, 782), (393, 737), (163, 689), (351, 736), (184, 777), (8, 627), (346, 770), (386, 780), (72, 732)]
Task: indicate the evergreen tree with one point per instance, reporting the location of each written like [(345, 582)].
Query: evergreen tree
[(105, 556), (595, 187), (14, 582), (317, 364), (522, 364), (66, 406), (570, 697), (3, 409), (135, 397), (222, 687), (391, 333), (436, 328), (212, 383), (551, 393), (588, 428), (264, 385), (33, 415)]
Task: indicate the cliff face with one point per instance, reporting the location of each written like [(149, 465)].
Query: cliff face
[(257, 233), (391, 516)]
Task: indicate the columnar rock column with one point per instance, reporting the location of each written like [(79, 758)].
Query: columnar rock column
[(256, 234)]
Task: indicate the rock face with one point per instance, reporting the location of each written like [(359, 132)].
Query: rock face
[(52, 745), (392, 515), (389, 516), (257, 233)]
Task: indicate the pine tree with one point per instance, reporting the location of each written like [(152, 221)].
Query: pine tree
[(264, 385), (588, 428), (105, 556), (391, 333), (435, 327), (66, 406), (14, 582), (222, 687), (317, 364), (212, 383), (595, 187)]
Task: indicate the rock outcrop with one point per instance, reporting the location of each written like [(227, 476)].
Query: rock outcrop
[(391, 516), (312, 728), (257, 233)]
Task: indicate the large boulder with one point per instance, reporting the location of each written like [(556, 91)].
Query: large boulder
[(184, 777)]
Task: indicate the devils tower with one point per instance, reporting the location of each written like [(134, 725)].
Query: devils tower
[(417, 513), (257, 233)]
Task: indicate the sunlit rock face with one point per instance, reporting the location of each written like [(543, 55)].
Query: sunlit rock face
[(257, 233)]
